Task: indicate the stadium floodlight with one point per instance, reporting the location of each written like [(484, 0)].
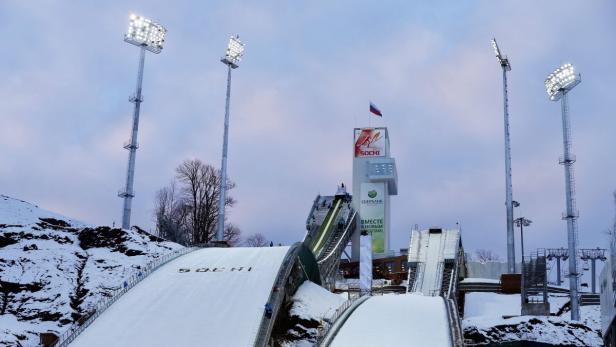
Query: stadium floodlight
[(235, 51), (558, 85), (561, 81), (147, 35), (502, 59), (509, 203)]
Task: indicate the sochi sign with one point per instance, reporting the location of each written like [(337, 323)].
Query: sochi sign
[(370, 142)]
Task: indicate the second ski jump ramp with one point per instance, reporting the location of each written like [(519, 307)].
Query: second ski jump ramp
[(393, 320), (209, 297)]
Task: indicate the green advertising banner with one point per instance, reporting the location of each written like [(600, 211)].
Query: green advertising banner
[(372, 213)]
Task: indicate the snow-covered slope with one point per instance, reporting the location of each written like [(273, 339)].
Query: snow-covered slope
[(54, 269), (211, 296), (312, 306), (484, 323), (396, 320)]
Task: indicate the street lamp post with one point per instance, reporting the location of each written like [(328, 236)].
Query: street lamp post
[(235, 51), (521, 223), (558, 84), (504, 63), (148, 36)]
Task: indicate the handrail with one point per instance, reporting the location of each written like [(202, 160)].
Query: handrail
[(327, 264), (276, 297), (336, 324), (349, 220), (339, 311), (328, 223), (70, 335), (314, 206), (455, 331)]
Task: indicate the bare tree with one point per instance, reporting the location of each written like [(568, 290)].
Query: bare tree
[(188, 212), (170, 214), (232, 234), (486, 255), (256, 240)]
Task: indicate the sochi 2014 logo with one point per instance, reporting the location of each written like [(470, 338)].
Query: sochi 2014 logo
[(369, 143)]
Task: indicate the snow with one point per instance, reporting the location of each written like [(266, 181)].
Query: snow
[(314, 302), (19, 212), (429, 250), (483, 317), (433, 256), (480, 280), (222, 305), (478, 306), (395, 320), (54, 269)]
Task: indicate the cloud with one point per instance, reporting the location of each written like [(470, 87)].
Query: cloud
[(306, 80)]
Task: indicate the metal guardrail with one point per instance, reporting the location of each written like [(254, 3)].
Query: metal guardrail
[(314, 207), (451, 302), (327, 338), (276, 297), (339, 311), (455, 328), (70, 335)]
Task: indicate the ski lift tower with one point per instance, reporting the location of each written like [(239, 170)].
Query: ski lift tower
[(558, 254), (593, 255)]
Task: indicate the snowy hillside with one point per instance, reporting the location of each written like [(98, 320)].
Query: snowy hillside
[(53, 269), (485, 321), (310, 307)]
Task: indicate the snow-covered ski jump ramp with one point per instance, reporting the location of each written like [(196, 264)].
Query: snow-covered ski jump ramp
[(393, 320), (434, 258), (209, 297)]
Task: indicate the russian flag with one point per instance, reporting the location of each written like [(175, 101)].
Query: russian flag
[(375, 110)]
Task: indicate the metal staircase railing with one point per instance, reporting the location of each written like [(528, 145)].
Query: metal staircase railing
[(327, 338), (328, 265)]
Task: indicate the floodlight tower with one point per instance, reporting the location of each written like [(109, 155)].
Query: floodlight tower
[(558, 84), (235, 51), (148, 36), (504, 63)]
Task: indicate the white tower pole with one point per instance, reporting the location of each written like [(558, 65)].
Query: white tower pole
[(128, 193), (235, 51), (147, 35)]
